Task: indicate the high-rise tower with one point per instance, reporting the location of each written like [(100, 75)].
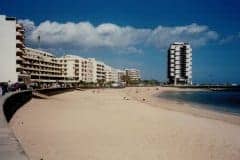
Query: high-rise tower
[(180, 63)]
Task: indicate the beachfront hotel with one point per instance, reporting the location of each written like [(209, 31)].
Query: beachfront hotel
[(40, 66), (180, 63), (133, 74), (46, 69), (76, 69)]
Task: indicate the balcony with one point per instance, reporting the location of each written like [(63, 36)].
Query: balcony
[(177, 71), (177, 58), (177, 53), (21, 30), (18, 66), (19, 44), (19, 52), (177, 49), (19, 58), (19, 26), (172, 47), (19, 36), (177, 62)]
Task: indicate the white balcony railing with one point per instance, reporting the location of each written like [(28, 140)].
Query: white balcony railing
[(19, 34), (19, 58)]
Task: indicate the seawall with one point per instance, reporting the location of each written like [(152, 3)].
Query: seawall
[(10, 148)]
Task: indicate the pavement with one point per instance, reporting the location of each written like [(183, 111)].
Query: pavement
[(10, 148)]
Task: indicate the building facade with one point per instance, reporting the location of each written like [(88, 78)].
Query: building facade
[(133, 74), (42, 67), (180, 63), (108, 73), (72, 68), (117, 75), (11, 48), (46, 69)]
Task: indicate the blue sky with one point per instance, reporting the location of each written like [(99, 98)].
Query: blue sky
[(135, 33)]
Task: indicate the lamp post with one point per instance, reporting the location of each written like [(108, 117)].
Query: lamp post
[(39, 72)]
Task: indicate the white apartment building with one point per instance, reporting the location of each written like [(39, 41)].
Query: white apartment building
[(120, 75), (133, 74), (23, 64), (73, 68), (76, 69), (117, 75), (45, 68), (180, 63), (91, 70), (108, 73), (40, 66), (113, 75), (11, 48)]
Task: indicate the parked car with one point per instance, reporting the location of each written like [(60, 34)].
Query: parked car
[(17, 86)]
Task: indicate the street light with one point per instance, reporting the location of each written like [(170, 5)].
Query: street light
[(39, 38)]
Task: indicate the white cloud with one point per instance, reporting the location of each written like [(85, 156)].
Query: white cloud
[(230, 38), (122, 39), (29, 27), (195, 34)]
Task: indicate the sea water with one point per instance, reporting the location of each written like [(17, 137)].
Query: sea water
[(223, 101)]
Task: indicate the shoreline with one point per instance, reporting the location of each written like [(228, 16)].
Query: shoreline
[(194, 109)]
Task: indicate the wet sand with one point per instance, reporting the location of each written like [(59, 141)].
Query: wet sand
[(103, 125)]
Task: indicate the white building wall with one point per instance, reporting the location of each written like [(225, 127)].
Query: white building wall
[(121, 73), (7, 50), (41, 66), (108, 73), (115, 75), (70, 68), (92, 68), (74, 68)]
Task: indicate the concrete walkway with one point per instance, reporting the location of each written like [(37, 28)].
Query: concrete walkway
[(10, 148)]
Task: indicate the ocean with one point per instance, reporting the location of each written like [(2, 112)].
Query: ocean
[(223, 101)]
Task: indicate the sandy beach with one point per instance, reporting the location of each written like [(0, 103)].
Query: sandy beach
[(124, 124)]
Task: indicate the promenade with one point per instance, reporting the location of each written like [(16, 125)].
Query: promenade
[(10, 147)]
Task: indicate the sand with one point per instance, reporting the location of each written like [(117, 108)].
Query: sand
[(103, 125)]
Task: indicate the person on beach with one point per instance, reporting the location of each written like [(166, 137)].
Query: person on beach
[(9, 86)]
